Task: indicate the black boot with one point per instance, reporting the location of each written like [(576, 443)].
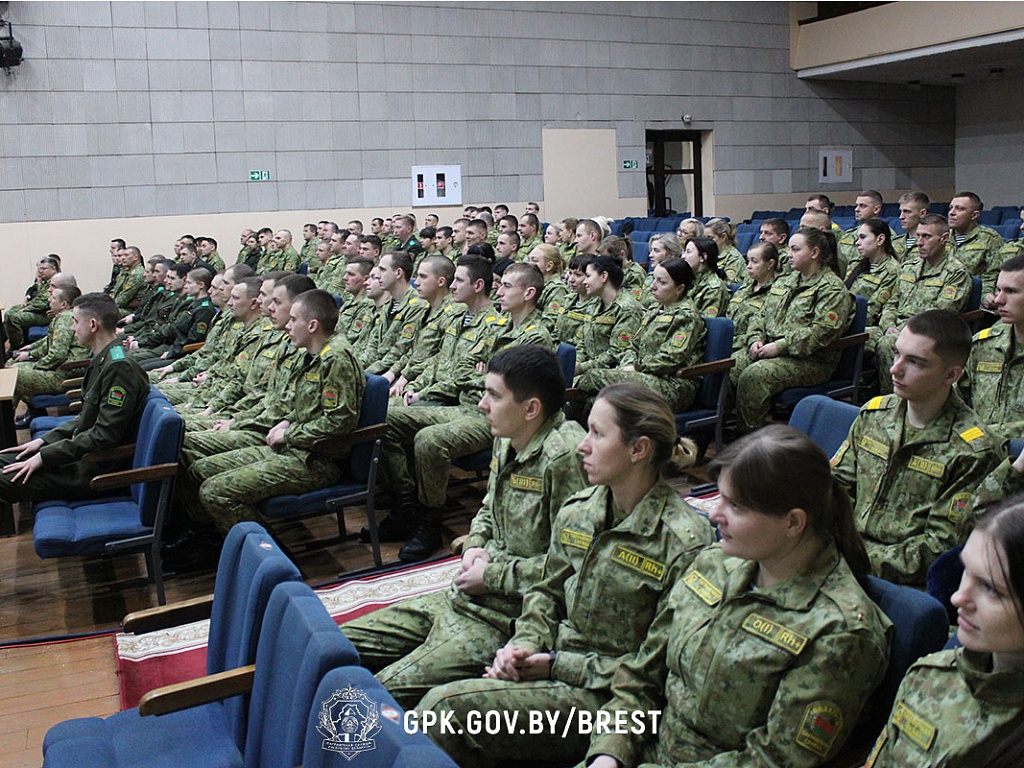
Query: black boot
[(426, 539), (399, 524)]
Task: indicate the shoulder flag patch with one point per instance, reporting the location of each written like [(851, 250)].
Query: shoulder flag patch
[(116, 396)]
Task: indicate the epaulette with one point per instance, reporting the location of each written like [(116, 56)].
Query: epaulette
[(972, 434), (984, 333), (879, 403)]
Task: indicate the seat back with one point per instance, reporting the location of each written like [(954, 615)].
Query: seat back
[(299, 643), (719, 347), (974, 300), (381, 737), (943, 579), (920, 627), (566, 354), (374, 410), (826, 421), (161, 431), (851, 357)]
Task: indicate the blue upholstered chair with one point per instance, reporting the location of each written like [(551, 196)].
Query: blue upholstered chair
[(358, 484), (826, 421), (943, 579), (708, 410), (250, 567), (120, 525), (391, 747)]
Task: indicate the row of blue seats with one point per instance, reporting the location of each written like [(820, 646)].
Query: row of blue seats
[(304, 701)]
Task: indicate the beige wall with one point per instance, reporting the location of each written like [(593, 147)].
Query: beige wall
[(895, 27)]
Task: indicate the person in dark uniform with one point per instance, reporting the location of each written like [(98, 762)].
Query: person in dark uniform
[(114, 395)]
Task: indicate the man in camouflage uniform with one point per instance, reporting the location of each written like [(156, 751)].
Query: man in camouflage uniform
[(279, 254), (974, 246), (913, 207), (405, 314), (420, 643), (307, 255), (529, 233), (19, 318), (355, 318), (330, 272), (913, 460), (867, 206), (323, 400), (131, 282), (934, 280), (206, 249)]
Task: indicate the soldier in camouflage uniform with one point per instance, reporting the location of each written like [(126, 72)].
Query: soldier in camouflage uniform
[(131, 282), (19, 318), (278, 255), (875, 273), (913, 207), (39, 367), (355, 318), (555, 296), (671, 336), (405, 314), (529, 236), (976, 247), (935, 280), (616, 549), (913, 460), (752, 296), (307, 254), (331, 270), (614, 317), (569, 327), (787, 345), (868, 207), (993, 382), (710, 293), (420, 643), (965, 707)]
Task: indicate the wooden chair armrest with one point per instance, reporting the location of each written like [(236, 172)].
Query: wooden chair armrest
[(341, 444), (110, 454), (458, 544), (75, 365), (192, 693), (706, 369), (975, 315), (195, 347), (173, 615), (572, 393), (72, 388), (853, 340), (75, 407), (130, 476)]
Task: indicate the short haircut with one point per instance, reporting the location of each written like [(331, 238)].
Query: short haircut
[(266, 231), (309, 225), (320, 306), (511, 219), (99, 306), (591, 226), (430, 232), (619, 247), (294, 284), (373, 240), (134, 251), (166, 264), (526, 275), (822, 200), (530, 370), (237, 272), (444, 232), (975, 200), (950, 334), (461, 220), (486, 217), (377, 220), (916, 197), (1012, 264), (363, 264), (67, 293), (513, 237), (478, 268), (401, 260), (439, 266), (485, 250), (201, 275), (208, 239), (50, 262), (874, 194), (780, 226), (276, 275), (180, 269), (408, 219), (119, 241), (530, 220), (252, 286), (479, 225), (611, 266), (935, 220)]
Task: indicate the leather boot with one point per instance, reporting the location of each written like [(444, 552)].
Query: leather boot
[(398, 524), (426, 539)]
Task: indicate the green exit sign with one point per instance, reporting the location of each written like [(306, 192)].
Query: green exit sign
[(259, 175), (630, 165)]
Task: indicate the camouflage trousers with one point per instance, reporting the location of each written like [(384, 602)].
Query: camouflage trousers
[(756, 381), (680, 393), (226, 487), (16, 325), (31, 382), (203, 443), (177, 392), (421, 643), (422, 440), (501, 696)]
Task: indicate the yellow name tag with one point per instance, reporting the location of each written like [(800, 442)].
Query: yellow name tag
[(872, 446), (526, 483), (934, 282), (913, 726), (871, 279), (571, 538), (779, 291), (313, 376), (494, 463), (703, 588), (776, 634), (907, 278), (927, 466), (605, 320), (664, 318), (638, 563), (990, 367)]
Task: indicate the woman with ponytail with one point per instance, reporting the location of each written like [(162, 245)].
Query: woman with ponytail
[(767, 649), (875, 274), (762, 269), (616, 549), (710, 292), (729, 257)]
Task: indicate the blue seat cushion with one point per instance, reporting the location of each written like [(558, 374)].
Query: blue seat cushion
[(42, 424), (300, 504), (40, 402), (62, 530)]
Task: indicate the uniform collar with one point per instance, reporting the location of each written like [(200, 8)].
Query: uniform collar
[(1005, 688), (797, 593)]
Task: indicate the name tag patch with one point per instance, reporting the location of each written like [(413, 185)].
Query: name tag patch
[(872, 446), (703, 588), (776, 634), (639, 563), (927, 467), (990, 367), (526, 483), (913, 726), (576, 539)]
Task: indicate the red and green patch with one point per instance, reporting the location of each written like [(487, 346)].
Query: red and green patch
[(116, 396), (330, 397)]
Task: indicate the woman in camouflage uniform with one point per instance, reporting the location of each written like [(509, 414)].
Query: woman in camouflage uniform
[(766, 650), (749, 300), (960, 707), (729, 257), (875, 274), (710, 293)]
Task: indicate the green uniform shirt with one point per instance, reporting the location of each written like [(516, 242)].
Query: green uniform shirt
[(875, 282), (219, 342), (552, 301), (58, 346), (913, 490), (225, 381), (748, 301), (525, 246), (308, 257), (731, 262), (273, 261), (946, 285), (634, 280), (571, 322), (268, 377), (405, 318), (530, 331), (980, 255), (993, 381), (749, 676), (128, 288), (951, 710), (355, 318), (709, 294), (802, 317), (669, 338), (607, 332), (427, 343), (331, 275)]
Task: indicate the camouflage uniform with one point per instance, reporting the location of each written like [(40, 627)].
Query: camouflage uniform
[(913, 489), (669, 338), (18, 319), (903, 253), (286, 260), (375, 324), (525, 246), (220, 340), (634, 280), (750, 676), (748, 301), (731, 262), (407, 317), (980, 255), (604, 577), (420, 643), (571, 322), (802, 317), (848, 253), (876, 283), (951, 710), (351, 316), (128, 288), (225, 380), (530, 331), (307, 256), (114, 392), (947, 285), (552, 301), (607, 332), (42, 374), (330, 276), (993, 381), (325, 400), (709, 294)]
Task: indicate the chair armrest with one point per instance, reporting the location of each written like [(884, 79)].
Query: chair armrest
[(130, 476), (706, 369), (458, 544), (976, 315), (192, 693), (110, 454), (572, 393), (339, 445), (72, 388), (75, 365), (195, 347), (75, 407), (853, 340), (173, 615)]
